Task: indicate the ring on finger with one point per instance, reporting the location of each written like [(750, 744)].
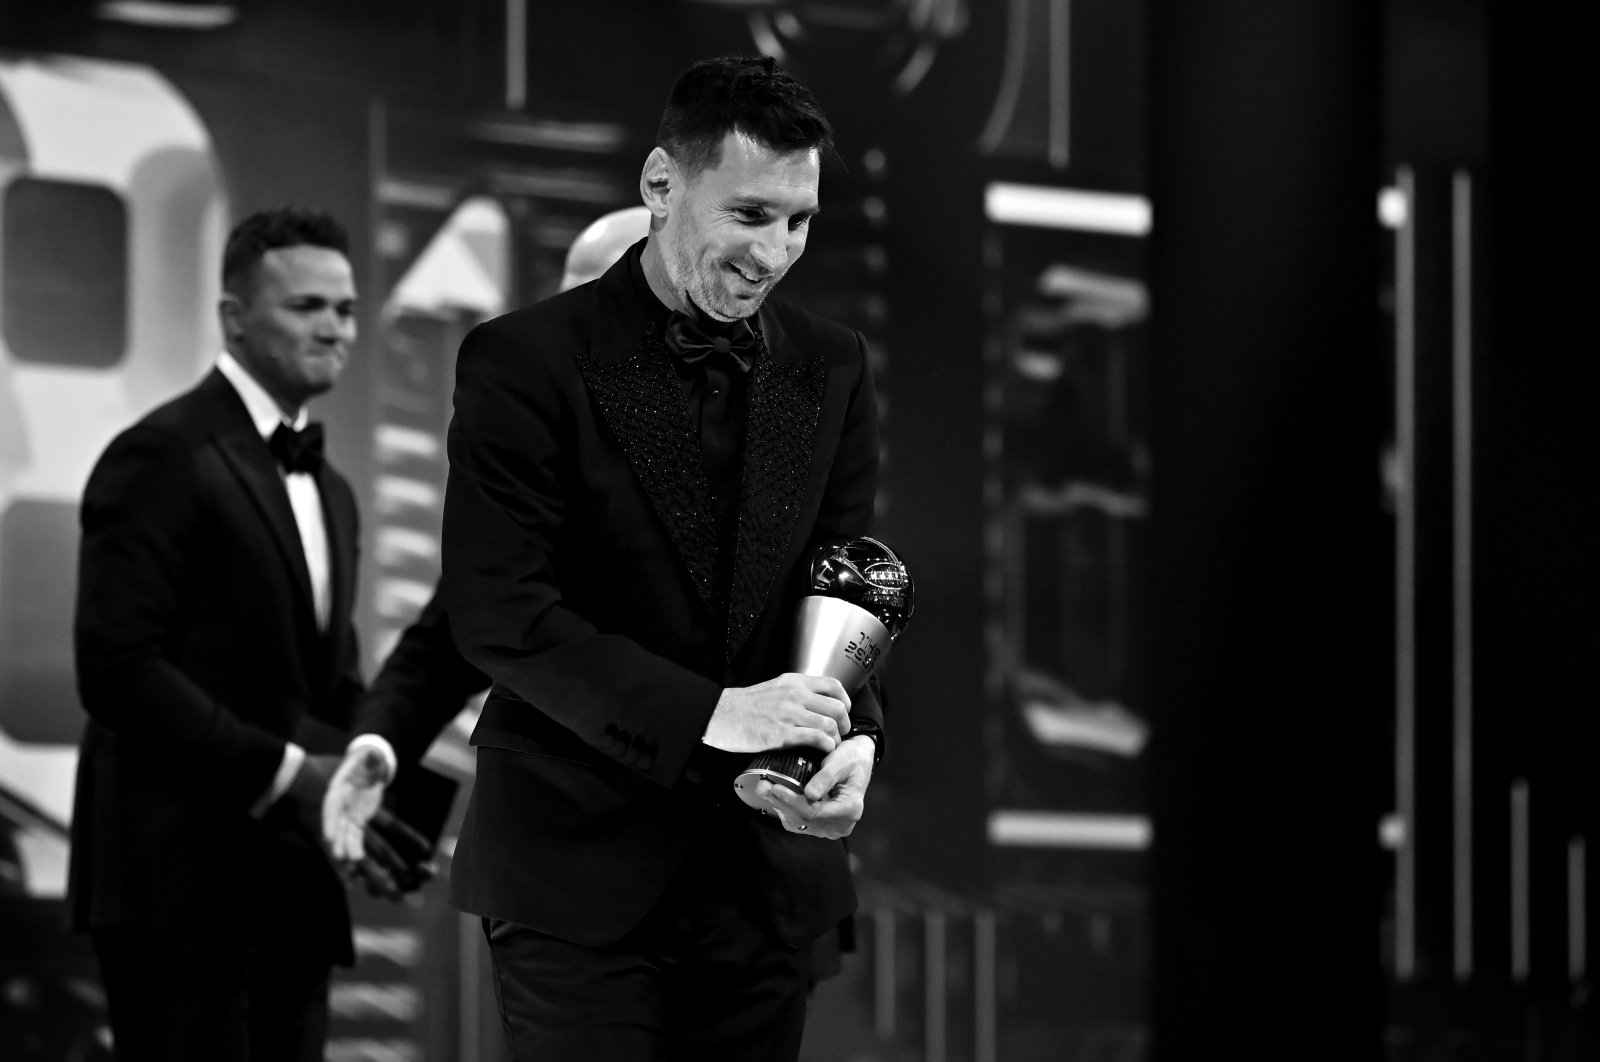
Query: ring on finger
[(801, 826)]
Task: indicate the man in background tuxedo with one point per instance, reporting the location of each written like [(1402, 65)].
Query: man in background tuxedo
[(217, 661), (640, 469)]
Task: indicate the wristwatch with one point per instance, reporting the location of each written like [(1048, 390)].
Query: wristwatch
[(868, 728)]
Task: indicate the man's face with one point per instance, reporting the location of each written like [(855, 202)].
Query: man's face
[(294, 328), (739, 226)]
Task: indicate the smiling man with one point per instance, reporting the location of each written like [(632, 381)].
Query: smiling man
[(217, 661), (640, 468)]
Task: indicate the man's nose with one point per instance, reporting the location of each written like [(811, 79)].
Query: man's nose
[(770, 249), (335, 327)]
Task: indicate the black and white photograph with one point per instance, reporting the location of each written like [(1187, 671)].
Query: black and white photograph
[(797, 531)]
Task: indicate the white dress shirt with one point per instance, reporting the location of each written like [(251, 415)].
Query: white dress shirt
[(308, 517)]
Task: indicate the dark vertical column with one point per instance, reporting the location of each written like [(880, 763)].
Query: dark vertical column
[(934, 483), (1538, 627), (1428, 488), (1268, 554)]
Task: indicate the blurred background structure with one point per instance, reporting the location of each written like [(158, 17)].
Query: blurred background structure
[(1233, 430)]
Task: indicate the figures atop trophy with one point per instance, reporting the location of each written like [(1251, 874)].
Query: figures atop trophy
[(865, 572)]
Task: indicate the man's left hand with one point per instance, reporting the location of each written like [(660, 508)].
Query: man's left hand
[(834, 798), (353, 797)]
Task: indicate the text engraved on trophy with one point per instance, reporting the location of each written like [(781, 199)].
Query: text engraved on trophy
[(863, 651)]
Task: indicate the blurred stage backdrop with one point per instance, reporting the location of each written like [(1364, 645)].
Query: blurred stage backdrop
[(988, 225)]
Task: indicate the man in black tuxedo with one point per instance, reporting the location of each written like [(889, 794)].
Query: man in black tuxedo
[(218, 664), (640, 468)]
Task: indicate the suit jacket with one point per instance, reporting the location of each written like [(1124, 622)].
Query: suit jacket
[(580, 574), (198, 655), (423, 684)]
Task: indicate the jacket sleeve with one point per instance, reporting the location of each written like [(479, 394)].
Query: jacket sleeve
[(505, 510), (422, 685), (140, 518)]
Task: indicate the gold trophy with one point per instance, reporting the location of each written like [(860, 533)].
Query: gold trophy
[(860, 601)]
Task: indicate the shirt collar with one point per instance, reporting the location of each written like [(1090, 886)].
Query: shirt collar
[(654, 308), (658, 311), (264, 412)]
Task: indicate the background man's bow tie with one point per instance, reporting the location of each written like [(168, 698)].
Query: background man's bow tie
[(692, 337), (298, 451)]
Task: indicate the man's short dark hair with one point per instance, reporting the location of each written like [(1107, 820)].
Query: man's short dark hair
[(268, 230), (741, 94)]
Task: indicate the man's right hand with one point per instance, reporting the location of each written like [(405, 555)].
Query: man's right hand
[(783, 712), (398, 859)]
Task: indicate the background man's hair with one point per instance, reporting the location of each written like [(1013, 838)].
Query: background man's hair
[(269, 230), (749, 95)]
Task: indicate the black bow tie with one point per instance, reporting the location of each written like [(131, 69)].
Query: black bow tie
[(692, 337), (298, 451)]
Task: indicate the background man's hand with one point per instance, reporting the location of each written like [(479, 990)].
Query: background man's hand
[(352, 797), (372, 846), (835, 797), (779, 713)]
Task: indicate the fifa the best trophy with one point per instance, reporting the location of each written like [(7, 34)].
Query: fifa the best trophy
[(860, 601)]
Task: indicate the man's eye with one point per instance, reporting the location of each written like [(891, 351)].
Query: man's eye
[(803, 222)]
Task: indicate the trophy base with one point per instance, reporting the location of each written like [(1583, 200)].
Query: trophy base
[(787, 767)]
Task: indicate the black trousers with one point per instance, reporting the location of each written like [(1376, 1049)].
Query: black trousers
[(181, 997), (703, 977)]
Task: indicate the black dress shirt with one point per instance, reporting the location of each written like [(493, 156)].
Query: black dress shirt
[(718, 399)]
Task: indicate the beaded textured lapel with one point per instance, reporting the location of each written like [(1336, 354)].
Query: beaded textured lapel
[(779, 440), (643, 406)]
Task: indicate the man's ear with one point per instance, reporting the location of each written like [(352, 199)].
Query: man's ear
[(657, 181), (229, 307)]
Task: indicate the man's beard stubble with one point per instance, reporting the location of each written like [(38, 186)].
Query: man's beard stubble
[(706, 293)]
